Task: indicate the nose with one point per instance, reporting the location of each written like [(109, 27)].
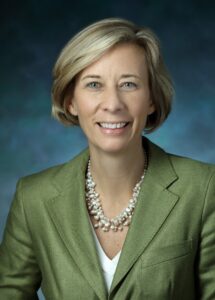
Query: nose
[(112, 100)]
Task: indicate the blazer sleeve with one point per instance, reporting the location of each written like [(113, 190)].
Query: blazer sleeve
[(19, 272), (206, 265)]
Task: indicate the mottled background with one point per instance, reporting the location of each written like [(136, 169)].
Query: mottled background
[(31, 36)]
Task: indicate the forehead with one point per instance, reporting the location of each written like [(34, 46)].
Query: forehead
[(124, 58)]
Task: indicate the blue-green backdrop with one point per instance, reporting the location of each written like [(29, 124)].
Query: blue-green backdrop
[(31, 36)]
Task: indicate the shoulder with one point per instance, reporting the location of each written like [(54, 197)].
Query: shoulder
[(191, 167), (186, 173), (48, 180), (34, 192), (162, 159), (194, 177)]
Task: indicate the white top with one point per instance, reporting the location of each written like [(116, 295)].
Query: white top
[(108, 265)]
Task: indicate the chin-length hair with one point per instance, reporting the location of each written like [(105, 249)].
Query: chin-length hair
[(89, 45)]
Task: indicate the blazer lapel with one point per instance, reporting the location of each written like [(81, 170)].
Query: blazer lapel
[(154, 205), (69, 214)]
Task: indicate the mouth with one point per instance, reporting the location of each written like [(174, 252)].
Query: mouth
[(112, 125)]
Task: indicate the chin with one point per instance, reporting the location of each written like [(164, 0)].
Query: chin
[(113, 147)]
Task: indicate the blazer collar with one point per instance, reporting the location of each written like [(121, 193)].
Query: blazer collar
[(159, 167), (68, 212)]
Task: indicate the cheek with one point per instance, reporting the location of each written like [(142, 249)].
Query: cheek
[(140, 108), (86, 113), (85, 108), (140, 113)]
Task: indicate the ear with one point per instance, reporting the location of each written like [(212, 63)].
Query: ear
[(151, 108), (72, 107)]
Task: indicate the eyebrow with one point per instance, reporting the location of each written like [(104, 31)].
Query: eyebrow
[(98, 77), (90, 76), (129, 75)]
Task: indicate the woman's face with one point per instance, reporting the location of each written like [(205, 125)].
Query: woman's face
[(112, 99)]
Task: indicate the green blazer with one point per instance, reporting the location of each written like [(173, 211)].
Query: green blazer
[(168, 254)]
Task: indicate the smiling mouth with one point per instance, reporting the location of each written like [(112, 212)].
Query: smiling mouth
[(116, 125)]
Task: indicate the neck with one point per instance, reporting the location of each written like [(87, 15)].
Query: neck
[(116, 175)]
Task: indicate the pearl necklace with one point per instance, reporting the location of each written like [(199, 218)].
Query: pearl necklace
[(95, 208)]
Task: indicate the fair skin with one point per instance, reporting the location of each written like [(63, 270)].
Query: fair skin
[(114, 92)]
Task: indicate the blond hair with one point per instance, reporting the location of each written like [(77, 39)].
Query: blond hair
[(89, 45)]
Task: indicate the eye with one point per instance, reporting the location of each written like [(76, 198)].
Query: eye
[(128, 85), (94, 85)]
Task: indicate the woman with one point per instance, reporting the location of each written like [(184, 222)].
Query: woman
[(123, 219)]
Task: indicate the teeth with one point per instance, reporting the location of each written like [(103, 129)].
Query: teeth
[(112, 125)]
